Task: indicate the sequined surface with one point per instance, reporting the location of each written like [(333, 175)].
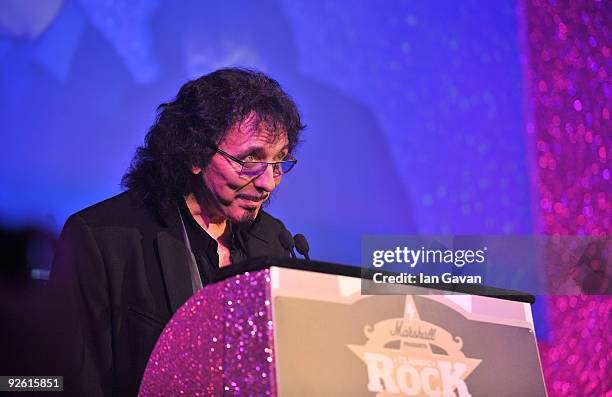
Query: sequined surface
[(218, 343), (568, 76)]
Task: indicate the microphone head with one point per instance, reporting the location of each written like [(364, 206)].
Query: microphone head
[(301, 244), (286, 240)]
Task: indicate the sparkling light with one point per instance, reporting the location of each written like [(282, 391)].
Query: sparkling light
[(568, 78), (242, 363)]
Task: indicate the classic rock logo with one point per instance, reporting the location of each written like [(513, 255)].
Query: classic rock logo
[(411, 357)]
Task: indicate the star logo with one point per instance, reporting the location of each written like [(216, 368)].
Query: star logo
[(411, 357)]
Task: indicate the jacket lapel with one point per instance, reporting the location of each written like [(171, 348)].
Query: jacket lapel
[(260, 240), (174, 259), (256, 230)]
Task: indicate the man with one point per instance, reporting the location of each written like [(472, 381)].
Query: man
[(193, 205)]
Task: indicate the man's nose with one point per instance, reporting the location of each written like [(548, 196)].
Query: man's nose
[(266, 180)]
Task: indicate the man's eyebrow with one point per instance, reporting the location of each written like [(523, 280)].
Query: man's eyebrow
[(260, 150), (283, 153)]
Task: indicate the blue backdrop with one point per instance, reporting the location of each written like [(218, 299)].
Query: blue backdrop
[(414, 108)]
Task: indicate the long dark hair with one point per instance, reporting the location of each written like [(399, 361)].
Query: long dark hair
[(200, 115)]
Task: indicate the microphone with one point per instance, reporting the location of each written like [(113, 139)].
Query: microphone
[(287, 241), (301, 245)]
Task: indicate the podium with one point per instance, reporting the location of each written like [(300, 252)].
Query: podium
[(289, 327)]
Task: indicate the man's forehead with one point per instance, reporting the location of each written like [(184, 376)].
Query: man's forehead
[(256, 131)]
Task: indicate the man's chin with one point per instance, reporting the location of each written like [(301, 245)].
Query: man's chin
[(244, 215)]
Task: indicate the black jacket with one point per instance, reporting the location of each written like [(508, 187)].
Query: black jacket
[(120, 272)]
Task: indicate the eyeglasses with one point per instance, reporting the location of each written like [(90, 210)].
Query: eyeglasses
[(256, 168)]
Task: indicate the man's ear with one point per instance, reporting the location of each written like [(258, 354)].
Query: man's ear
[(196, 170)]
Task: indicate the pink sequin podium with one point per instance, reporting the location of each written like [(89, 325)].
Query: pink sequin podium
[(302, 328), (219, 342)]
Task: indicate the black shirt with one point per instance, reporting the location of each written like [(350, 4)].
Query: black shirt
[(205, 247)]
